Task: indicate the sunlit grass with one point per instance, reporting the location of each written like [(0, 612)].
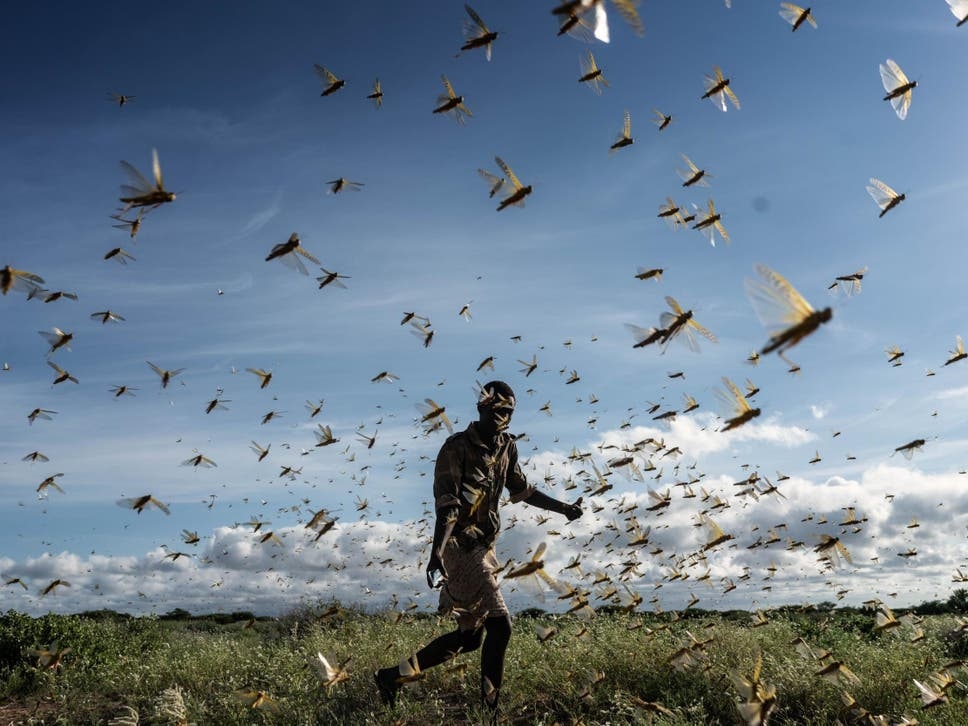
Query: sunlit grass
[(162, 668)]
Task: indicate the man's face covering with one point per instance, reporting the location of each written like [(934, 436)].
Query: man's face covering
[(496, 409)]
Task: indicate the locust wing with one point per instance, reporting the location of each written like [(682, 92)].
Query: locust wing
[(881, 193), (894, 79), (777, 303)]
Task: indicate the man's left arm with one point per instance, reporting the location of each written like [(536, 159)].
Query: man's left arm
[(521, 491), (543, 501)]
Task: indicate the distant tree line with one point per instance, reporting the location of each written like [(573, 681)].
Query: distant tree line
[(955, 604)]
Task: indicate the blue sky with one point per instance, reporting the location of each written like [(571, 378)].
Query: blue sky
[(232, 104)]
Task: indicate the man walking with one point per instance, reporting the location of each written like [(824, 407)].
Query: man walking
[(472, 469)]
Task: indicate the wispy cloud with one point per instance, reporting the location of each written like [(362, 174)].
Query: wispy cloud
[(958, 393), (261, 218)]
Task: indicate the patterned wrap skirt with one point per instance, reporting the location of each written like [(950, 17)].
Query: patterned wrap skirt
[(471, 591)]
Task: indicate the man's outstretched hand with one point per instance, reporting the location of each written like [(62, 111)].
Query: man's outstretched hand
[(573, 511)]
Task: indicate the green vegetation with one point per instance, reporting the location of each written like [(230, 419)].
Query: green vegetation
[(182, 669)]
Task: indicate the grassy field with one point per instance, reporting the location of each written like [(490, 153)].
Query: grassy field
[(121, 670)]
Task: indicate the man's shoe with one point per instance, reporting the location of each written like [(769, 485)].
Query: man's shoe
[(489, 700)]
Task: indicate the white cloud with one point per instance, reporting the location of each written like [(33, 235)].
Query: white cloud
[(699, 435), (770, 557), (958, 393)]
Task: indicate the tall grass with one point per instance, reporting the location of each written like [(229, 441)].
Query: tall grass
[(121, 666)]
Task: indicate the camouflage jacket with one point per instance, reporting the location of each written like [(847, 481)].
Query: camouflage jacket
[(468, 480)]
